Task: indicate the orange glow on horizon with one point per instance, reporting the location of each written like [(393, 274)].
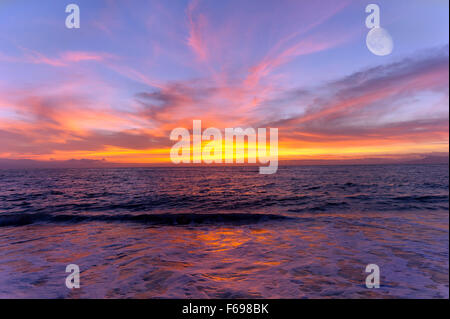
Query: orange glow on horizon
[(287, 151)]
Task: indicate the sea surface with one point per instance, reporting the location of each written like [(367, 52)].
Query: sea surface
[(225, 232)]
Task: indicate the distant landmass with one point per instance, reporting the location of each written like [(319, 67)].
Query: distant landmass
[(416, 159)]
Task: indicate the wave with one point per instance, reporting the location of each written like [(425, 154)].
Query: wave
[(422, 198), (153, 219)]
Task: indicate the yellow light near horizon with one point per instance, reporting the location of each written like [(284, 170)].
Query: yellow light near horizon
[(364, 150), (286, 152), (222, 156)]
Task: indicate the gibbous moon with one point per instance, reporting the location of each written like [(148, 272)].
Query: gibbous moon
[(379, 41)]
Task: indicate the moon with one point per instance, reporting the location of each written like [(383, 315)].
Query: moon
[(379, 41)]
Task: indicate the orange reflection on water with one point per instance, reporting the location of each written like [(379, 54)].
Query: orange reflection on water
[(221, 240)]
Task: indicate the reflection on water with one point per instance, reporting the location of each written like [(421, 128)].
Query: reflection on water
[(321, 257), (314, 253)]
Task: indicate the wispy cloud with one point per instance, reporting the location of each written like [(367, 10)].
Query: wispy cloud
[(62, 60), (197, 23)]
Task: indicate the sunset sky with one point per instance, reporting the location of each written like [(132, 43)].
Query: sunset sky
[(115, 88)]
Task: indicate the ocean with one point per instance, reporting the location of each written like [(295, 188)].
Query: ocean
[(225, 232)]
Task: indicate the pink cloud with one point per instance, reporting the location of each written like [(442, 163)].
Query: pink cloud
[(197, 24), (62, 60)]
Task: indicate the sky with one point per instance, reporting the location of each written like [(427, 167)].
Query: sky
[(116, 87)]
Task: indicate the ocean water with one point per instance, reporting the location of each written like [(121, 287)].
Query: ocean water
[(225, 232)]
